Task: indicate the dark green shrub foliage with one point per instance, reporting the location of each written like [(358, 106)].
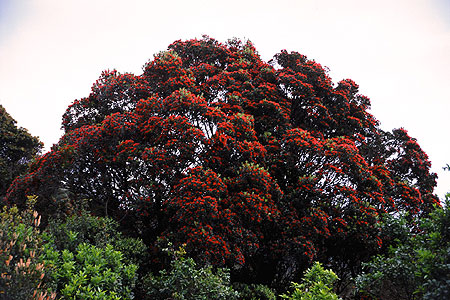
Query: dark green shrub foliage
[(187, 281), (22, 270), (91, 258), (84, 227), (254, 292), (317, 284), (92, 273)]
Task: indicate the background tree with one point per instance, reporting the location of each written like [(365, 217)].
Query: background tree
[(417, 265), (259, 167), (17, 149)]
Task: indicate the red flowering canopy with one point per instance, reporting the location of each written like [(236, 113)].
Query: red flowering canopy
[(261, 167)]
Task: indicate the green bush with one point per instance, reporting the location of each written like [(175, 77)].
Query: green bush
[(22, 271), (317, 284), (186, 281), (254, 292), (98, 231), (91, 273), (417, 266), (390, 277), (81, 228), (91, 258)]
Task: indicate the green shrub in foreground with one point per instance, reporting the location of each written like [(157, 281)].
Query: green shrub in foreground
[(91, 273), (254, 292), (91, 259), (186, 281), (418, 266), (22, 271), (98, 231), (317, 284)]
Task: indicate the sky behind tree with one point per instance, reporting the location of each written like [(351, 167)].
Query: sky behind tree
[(52, 51)]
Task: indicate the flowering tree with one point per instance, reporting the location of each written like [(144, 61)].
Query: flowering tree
[(260, 167)]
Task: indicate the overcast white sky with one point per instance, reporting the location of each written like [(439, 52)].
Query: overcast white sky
[(398, 51)]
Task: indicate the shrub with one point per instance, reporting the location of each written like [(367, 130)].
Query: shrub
[(92, 273), (186, 281), (21, 267), (91, 258), (254, 292), (418, 266), (317, 285), (98, 231)]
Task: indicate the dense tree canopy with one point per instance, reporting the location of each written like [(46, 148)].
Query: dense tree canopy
[(417, 265), (257, 166), (17, 148)]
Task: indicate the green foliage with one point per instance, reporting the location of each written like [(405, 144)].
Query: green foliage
[(82, 228), (254, 292), (418, 267), (187, 281), (317, 284), (91, 273), (98, 231), (17, 148), (21, 267), (91, 258), (390, 277)]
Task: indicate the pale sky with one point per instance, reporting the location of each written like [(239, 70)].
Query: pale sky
[(398, 51)]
